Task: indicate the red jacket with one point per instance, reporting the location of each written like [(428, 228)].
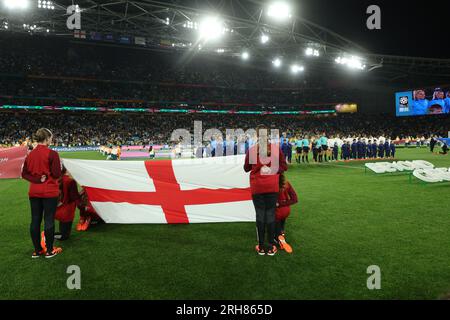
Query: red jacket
[(264, 183), (69, 198), (42, 161), (286, 198)]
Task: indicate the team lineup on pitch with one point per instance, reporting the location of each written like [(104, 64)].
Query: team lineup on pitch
[(363, 220)]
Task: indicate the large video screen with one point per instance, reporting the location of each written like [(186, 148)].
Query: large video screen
[(422, 102)]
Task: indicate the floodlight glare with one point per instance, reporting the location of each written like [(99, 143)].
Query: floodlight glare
[(295, 68), (46, 5), (353, 62), (264, 38), (245, 55), (312, 52), (16, 4), (211, 28), (279, 11), (277, 62)]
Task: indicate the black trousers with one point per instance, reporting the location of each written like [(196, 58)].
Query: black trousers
[(265, 205), (279, 227), (65, 229), (43, 208)]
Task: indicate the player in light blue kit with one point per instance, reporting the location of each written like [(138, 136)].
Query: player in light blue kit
[(324, 144), (437, 105), (447, 102), (420, 103), (305, 149)]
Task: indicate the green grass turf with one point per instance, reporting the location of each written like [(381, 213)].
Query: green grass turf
[(346, 220)]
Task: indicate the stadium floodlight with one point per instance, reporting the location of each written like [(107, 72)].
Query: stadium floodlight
[(190, 25), (352, 62), (279, 10), (245, 55), (277, 62), (46, 4), (264, 38), (211, 28), (220, 50), (312, 52), (295, 68), (16, 4)]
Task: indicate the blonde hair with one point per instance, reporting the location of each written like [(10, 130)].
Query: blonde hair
[(42, 135)]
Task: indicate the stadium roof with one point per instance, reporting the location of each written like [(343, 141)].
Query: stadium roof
[(172, 23)]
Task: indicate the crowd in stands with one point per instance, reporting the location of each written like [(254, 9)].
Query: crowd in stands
[(37, 71), (57, 72), (85, 129)]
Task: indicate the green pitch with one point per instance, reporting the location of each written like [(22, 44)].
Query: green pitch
[(346, 220)]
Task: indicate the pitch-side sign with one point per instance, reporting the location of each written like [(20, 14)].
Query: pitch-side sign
[(421, 169)]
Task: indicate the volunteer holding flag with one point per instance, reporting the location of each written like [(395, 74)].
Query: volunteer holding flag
[(265, 162), (42, 168)]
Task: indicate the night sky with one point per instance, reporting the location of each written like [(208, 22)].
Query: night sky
[(413, 28)]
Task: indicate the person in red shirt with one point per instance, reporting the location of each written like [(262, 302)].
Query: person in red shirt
[(69, 199), (42, 168), (67, 204), (265, 162), (286, 198), (88, 215)]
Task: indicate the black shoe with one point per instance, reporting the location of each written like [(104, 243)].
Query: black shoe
[(37, 254), (272, 251), (260, 250), (53, 253)]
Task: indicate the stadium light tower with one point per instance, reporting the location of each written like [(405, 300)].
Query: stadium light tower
[(16, 4), (279, 10), (211, 28)]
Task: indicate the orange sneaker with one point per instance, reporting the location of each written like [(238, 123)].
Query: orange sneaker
[(80, 223), (284, 245), (86, 224), (44, 247), (55, 251)]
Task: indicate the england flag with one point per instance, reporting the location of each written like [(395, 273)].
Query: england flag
[(167, 191)]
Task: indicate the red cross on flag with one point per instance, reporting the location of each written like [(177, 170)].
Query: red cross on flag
[(167, 191)]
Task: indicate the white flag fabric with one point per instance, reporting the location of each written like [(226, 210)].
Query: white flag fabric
[(167, 191)]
